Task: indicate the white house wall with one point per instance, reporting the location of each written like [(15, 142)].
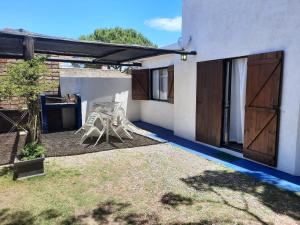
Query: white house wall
[(231, 28), (158, 112)]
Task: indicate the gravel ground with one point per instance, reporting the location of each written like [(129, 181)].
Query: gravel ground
[(67, 143)]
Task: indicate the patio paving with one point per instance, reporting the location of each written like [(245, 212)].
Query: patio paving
[(67, 143)]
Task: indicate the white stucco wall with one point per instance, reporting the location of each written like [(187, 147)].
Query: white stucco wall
[(157, 112), (237, 28), (96, 89)]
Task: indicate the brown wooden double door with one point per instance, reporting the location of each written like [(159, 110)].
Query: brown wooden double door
[(264, 72)]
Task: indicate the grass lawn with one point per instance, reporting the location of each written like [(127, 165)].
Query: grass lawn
[(157, 184)]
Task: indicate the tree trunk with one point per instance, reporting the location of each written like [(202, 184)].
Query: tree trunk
[(33, 121)]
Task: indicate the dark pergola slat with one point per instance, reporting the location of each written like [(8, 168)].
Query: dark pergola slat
[(51, 59), (18, 43), (109, 54)]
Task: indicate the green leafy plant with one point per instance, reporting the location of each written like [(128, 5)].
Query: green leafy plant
[(24, 80), (31, 151)]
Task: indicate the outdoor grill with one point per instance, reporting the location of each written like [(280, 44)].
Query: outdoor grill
[(52, 109)]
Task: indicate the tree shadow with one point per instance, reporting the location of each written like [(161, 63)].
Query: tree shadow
[(174, 200), (16, 218), (207, 222), (279, 201), (106, 209), (49, 214), (10, 217), (6, 170), (111, 211), (72, 220), (138, 219)]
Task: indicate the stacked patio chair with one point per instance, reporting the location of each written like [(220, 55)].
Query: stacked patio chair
[(119, 123), (123, 124), (112, 110), (90, 128)]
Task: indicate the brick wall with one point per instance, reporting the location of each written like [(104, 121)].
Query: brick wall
[(16, 102)]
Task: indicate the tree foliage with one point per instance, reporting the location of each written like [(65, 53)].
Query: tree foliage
[(119, 36), (24, 80)]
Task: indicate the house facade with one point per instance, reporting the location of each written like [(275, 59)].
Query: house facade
[(241, 92)]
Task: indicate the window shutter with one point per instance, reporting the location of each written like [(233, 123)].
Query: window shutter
[(209, 111), (171, 84), (140, 84), (262, 107)]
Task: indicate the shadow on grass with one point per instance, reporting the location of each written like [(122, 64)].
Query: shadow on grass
[(16, 218), (104, 210), (279, 201), (138, 219), (111, 211), (6, 170), (9, 217), (49, 214), (206, 222), (174, 200)]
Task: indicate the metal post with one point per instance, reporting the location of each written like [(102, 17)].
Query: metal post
[(78, 112), (28, 48), (44, 114)]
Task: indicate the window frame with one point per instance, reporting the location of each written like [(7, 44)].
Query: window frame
[(151, 84)]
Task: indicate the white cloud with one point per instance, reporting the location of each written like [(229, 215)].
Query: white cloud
[(168, 24)]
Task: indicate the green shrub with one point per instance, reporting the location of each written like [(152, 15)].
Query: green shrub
[(32, 150), (25, 80)]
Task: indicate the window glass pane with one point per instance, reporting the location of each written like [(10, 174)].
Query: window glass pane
[(155, 84), (164, 84)]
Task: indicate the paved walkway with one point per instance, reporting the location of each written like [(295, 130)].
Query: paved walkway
[(261, 172)]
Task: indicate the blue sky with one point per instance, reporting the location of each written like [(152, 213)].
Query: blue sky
[(159, 20)]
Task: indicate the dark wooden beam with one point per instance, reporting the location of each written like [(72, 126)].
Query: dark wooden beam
[(64, 53), (104, 44), (28, 48), (158, 53), (51, 59), (11, 56)]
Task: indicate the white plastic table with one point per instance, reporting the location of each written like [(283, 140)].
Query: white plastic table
[(107, 110)]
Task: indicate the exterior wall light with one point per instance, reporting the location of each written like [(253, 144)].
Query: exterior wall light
[(183, 57)]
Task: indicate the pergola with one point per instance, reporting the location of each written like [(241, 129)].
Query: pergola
[(20, 44)]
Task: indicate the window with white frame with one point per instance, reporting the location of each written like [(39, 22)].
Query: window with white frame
[(159, 79)]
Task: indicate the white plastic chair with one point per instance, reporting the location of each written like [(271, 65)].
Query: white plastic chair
[(123, 124), (90, 128), (110, 109), (116, 120)]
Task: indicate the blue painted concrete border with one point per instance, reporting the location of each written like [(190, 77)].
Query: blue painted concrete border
[(266, 174)]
